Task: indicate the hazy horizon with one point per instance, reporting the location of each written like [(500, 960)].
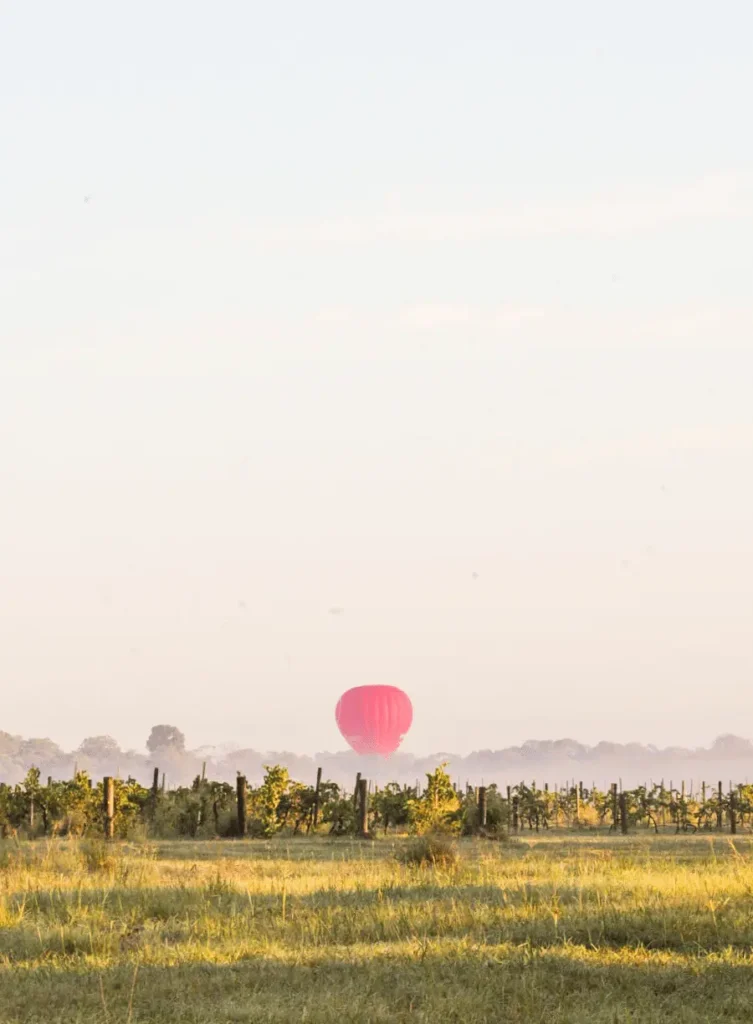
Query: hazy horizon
[(553, 762), (442, 323), (339, 749)]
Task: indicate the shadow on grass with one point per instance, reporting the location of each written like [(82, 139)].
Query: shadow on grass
[(424, 982), (76, 924)]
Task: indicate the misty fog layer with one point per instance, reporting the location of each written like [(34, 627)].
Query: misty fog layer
[(552, 761)]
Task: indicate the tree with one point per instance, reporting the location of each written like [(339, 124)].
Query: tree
[(222, 797), (166, 737), (731, 746), (267, 800), (81, 806), (339, 813), (39, 751), (297, 805), (438, 809), (392, 805), (99, 748), (10, 746)]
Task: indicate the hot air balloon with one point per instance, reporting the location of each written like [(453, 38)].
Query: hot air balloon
[(374, 719)]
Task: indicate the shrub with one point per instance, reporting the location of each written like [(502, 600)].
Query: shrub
[(438, 809), (266, 802), (498, 835), (434, 849), (97, 855)]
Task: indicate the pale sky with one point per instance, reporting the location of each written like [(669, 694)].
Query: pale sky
[(367, 299)]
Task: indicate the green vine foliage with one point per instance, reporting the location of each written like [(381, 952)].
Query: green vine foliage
[(279, 804)]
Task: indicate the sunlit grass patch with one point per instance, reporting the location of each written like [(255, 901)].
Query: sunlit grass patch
[(547, 929)]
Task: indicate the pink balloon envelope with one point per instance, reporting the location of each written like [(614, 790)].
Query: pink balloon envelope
[(374, 719)]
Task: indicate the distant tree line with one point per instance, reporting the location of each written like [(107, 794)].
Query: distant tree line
[(556, 760)]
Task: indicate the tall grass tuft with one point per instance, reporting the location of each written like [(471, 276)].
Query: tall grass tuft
[(435, 849), (97, 855)]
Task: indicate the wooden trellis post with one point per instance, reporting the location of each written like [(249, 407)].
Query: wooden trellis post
[(732, 815), (316, 797), (155, 790), (109, 806), (719, 812), (482, 806), (240, 788), (363, 808)]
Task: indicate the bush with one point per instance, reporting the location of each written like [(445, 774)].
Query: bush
[(498, 835), (438, 809), (97, 855), (433, 849), (496, 814)]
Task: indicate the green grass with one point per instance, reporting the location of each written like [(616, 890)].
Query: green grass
[(561, 929)]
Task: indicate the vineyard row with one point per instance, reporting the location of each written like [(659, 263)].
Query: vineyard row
[(124, 808)]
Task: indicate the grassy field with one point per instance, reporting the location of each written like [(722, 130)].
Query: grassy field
[(552, 929)]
